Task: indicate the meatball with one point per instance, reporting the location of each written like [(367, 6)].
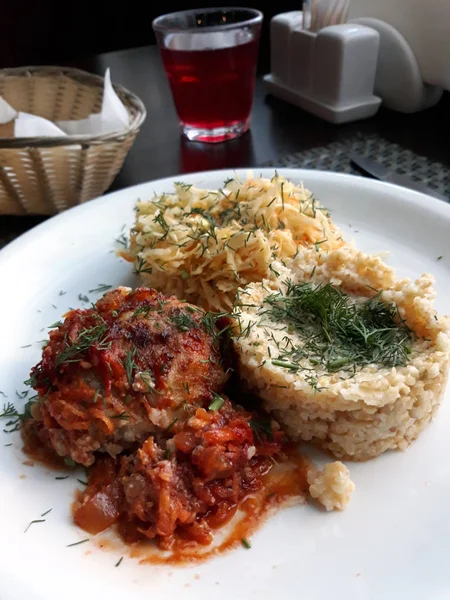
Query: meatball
[(127, 367)]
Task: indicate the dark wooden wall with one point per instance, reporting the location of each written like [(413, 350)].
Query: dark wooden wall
[(56, 32)]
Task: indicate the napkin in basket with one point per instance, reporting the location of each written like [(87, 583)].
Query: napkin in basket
[(112, 117)]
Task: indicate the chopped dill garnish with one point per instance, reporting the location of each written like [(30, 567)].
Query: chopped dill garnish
[(336, 332), (185, 186), (217, 403), (262, 428), (83, 298), (186, 388), (33, 522), (182, 320), (140, 266), (148, 379), (285, 365), (282, 193), (169, 427), (143, 310), (15, 418), (119, 561), (317, 244), (130, 365), (9, 410), (55, 325), (102, 287), (82, 482), (210, 319), (77, 543), (122, 415), (273, 270), (61, 477), (97, 334), (31, 382), (46, 512), (159, 218), (313, 382), (97, 392), (26, 346), (69, 462), (246, 543), (313, 209), (122, 240)]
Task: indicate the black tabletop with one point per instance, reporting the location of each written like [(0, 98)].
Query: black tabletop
[(277, 129)]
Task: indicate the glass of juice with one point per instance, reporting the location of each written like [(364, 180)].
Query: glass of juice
[(210, 58)]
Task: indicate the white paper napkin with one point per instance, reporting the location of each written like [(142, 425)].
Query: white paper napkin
[(113, 117)]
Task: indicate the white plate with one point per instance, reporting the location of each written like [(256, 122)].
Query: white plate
[(392, 542)]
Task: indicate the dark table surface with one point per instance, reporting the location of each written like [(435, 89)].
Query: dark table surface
[(277, 129)]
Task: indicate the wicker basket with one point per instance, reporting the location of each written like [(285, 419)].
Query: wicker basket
[(47, 175)]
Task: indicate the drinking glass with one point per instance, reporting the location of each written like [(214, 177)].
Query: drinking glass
[(210, 58)]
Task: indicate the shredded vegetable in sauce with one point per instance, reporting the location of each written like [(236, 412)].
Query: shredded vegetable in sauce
[(133, 389)]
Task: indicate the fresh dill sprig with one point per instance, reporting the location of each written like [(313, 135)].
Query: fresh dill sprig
[(336, 332), (15, 417), (210, 320), (182, 320), (9, 410), (140, 266), (262, 428), (159, 218), (122, 240), (143, 310), (97, 334)]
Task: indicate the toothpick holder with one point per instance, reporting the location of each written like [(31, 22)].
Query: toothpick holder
[(331, 74)]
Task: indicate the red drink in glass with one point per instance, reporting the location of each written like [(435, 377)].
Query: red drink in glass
[(212, 88), (211, 69)]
